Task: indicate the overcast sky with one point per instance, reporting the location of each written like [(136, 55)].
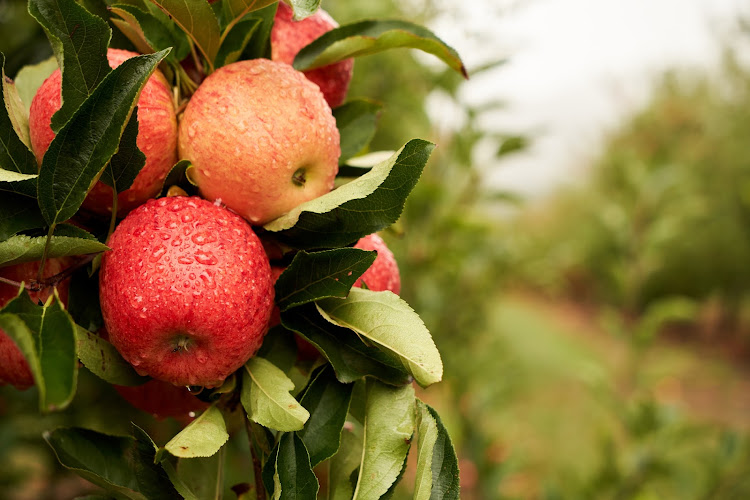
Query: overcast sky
[(575, 67)]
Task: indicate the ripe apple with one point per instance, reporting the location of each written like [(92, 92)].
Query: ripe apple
[(186, 291), (14, 369), (383, 273), (162, 399), (157, 137), (288, 37), (261, 139)]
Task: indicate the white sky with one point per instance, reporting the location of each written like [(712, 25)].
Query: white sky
[(575, 67)]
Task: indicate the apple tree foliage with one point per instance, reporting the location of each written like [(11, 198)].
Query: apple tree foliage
[(353, 413)]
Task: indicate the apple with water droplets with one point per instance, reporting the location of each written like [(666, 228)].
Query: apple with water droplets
[(383, 274), (185, 291), (288, 37), (157, 137), (261, 138)]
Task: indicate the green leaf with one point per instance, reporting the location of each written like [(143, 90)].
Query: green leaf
[(204, 476), (19, 116), (30, 78), (127, 162), (198, 21), (386, 320), (268, 474), (280, 348), (327, 400), (317, 275), (83, 147), (303, 8), (351, 358), (293, 478), (11, 176), (203, 437), (133, 33), (389, 426), (55, 368), (15, 155), (512, 144), (104, 361), (177, 176), (357, 121), (79, 40), (153, 481), (18, 213), (20, 248), (235, 41), (437, 463), (260, 43), (366, 205), (153, 29), (373, 36), (266, 399), (16, 183), (99, 458), (343, 466), (234, 10), (392, 490), (168, 464)]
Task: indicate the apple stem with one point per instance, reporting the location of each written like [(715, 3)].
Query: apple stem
[(196, 58), (260, 489)]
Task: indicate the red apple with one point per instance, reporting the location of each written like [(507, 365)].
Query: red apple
[(383, 273), (14, 369), (288, 37), (261, 139), (162, 399), (186, 291), (157, 137)]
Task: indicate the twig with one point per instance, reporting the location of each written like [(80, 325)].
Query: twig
[(260, 489), (35, 285)]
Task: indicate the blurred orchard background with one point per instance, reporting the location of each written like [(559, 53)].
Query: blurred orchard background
[(579, 246)]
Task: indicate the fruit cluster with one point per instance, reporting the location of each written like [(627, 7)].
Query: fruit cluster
[(196, 224), (186, 289)]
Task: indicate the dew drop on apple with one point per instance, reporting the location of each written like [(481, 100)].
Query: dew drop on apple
[(186, 217), (172, 224), (203, 238), (206, 258), (158, 253), (184, 259), (202, 359), (177, 241), (208, 280)]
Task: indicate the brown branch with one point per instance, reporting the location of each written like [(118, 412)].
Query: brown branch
[(36, 285), (260, 489)]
